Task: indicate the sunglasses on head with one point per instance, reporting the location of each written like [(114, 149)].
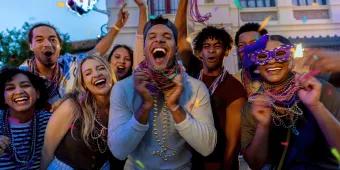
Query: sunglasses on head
[(280, 54)]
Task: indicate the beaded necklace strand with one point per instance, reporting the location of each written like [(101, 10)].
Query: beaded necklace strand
[(27, 159), (165, 150)]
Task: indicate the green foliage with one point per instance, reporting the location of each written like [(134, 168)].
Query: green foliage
[(14, 46)]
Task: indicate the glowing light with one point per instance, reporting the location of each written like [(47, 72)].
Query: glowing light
[(197, 103), (298, 53), (265, 22), (140, 164), (336, 154)]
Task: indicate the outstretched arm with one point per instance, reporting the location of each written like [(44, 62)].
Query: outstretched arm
[(184, 46), (105, 43), (138, 54)]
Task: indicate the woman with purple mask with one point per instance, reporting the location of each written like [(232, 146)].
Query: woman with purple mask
[(293, 120)]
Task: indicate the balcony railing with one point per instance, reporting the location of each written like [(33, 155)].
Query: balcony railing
[(161, 7)]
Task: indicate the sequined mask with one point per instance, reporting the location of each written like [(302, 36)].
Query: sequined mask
[(280, 54)]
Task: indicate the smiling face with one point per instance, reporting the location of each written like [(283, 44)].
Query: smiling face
[(121, 62), (45, 46), (212, 54), (19, 94), (274, 72), (96, 77), (160, 47)]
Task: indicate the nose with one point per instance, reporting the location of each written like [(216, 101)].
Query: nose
[(272, 61), (18, 90), (160, 38), (47, 43), (211, 49)]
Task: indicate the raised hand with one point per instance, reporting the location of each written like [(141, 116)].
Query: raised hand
[(324, 60), (139, 2), (173, 95), (123, 16), (311, 90), (261, 110), (141, 80), (4, 143)]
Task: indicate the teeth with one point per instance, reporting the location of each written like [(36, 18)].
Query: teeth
[(273, 69), (21, 99), (158, 50), (99, 81), (121, 67)]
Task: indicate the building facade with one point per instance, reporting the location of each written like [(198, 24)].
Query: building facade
[(315, 23)]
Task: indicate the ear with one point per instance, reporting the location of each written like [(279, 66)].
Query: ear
[(38, 94)]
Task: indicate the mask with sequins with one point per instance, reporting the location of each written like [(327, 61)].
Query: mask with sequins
[(280, 54)]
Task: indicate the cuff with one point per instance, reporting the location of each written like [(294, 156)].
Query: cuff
[(138, 126)]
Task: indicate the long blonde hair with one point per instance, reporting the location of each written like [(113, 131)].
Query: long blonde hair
[(86, 105)]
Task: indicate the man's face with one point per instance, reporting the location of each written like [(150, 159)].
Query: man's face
[(246, 38), (45, 46), (160, 47), (212, 54)]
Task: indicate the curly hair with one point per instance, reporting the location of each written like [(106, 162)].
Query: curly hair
[(38, 83), (210, 32), (251, 26)]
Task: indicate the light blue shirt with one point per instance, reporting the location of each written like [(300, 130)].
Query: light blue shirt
[(129, 138)]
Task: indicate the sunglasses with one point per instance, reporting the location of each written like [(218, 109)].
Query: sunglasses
[(280, 54)]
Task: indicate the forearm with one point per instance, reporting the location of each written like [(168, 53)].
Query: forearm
[(127, 133), (142, 18), (230, 153), (142, 114), (178, 114), (256, 153), (46, 158), (105, 43), (328, 124)]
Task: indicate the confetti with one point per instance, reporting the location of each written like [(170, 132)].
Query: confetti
[(60, 4), (238, 4), (285, 144), (304, 19), (265, 22), (298, 53), (197, 103), (152, 17), (140, 164), (336, 154)]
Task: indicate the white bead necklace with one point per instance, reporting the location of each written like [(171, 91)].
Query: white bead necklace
[(165, 151)]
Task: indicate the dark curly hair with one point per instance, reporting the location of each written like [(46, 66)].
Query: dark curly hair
[(210, 32), (7, 74), (30, 31), (251, 26)]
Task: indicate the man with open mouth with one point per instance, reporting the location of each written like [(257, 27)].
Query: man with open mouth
[(47, 62), (160, 112)]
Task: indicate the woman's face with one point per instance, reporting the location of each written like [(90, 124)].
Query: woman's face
[(19, 94), (274, 72), (96, 77), (121, 62)]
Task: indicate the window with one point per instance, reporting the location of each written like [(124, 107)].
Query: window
[(309, 2), (160, 7), (258, 3)]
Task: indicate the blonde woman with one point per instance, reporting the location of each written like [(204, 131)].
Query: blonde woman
[(77, 131)]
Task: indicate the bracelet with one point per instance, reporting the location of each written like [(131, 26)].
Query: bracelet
[(116, 27), (173, 109)]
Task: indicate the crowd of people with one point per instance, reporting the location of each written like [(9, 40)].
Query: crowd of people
[(169, 104)]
